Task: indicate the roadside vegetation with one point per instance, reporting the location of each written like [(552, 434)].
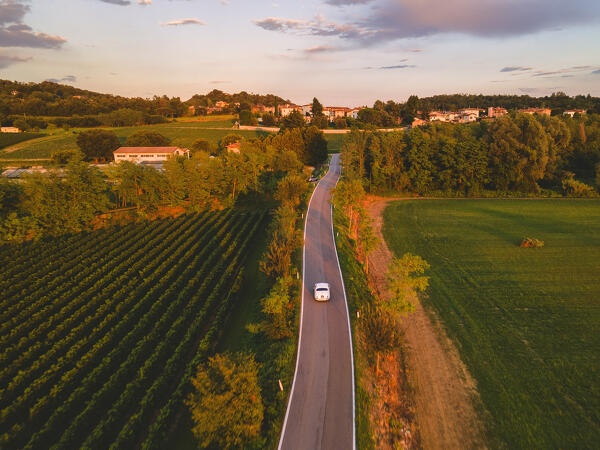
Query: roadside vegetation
[(525, 320)]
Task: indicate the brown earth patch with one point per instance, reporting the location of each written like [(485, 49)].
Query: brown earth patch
[(441, 389)]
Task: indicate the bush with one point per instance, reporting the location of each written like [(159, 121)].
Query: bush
[(246, 118), (531, 243), (268, 120), (201, 145), (341, 123), (574, 188)]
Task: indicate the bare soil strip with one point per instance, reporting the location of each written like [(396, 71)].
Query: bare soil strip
[(444, 394)]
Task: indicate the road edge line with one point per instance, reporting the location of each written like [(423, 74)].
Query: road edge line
[(287, 410), (349, 325)]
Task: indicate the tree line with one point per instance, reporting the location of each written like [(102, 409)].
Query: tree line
[(67, 198), (515, 153)]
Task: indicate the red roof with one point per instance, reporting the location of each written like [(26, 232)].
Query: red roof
[(147, 150)]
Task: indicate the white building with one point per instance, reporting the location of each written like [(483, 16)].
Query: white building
[(9, 130), (148, 154), (286, 110), (572, 112), (469, 112)]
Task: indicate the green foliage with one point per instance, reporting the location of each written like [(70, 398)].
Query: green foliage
[(285, 239), (229, 139), (292, 120), (247, 118), (525, 322), (147, 139), (317, 108), (278, 309), (341, 123), (22, 124), (406, 282), (226, 404), (65, 204), (201, 145), (515, 153), (64, 157), (574, 188), (98, 144), (291, 190), (268, 120)]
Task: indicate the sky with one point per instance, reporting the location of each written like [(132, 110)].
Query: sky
[(345, 52)]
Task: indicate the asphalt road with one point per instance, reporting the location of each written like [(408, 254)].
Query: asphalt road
[(320, 412)]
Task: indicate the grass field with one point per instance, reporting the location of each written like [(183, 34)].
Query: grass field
[(101, 331), (526, 321), (9, 139), (182, 134)]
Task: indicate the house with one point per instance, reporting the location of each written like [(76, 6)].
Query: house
[(540, 111), (287, 109), (263, 109), (572, 112), (496, 112), (307, 110), (468, 117), (354, 112), (469, 112), (417, 122), (9, 130), (334, 112), (221, 104), (148, 154), (233, 147), (438, 116)]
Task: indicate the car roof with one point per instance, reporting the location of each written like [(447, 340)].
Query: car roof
[(321, 285)]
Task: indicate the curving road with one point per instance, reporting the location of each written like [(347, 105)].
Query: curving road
[(320, 413)]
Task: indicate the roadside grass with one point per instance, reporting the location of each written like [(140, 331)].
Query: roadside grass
[(358, 295), (526, 321)]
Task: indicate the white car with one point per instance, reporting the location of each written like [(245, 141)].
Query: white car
[(321, 291)]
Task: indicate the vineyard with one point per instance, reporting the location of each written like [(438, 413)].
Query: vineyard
[(100, 332)]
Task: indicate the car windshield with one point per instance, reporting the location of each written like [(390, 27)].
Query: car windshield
[(322, 289)]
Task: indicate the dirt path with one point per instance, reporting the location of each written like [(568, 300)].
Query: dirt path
[(444, 392)]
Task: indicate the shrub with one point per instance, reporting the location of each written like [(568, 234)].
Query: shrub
[(147, 139), (574, 188)]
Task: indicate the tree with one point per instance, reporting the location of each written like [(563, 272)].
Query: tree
[(277, 307), (21, 124), (285, 240), (367, 240), (347, 196), (98, 144), (341, 123), (147, 139), (226, 401), (268, 119), (246, 118), (317, 107), (201, 145), (229, 139), (292, 120), (316, 146), (409, 112), (380, 332), (406, 281), (291, 189), (64, 157)]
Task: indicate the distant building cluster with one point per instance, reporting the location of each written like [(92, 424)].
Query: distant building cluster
[(331, 112)]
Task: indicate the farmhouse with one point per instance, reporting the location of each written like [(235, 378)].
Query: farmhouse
[(540, 111), (9, 130), (496, 112), (148, 154), (572, 112), (286, 110)]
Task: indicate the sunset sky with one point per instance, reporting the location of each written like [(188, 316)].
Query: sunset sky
[(346, 52)]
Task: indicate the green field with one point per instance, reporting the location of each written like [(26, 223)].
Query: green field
[(526, 321), (101, 331), (182, 134), (9, 139)]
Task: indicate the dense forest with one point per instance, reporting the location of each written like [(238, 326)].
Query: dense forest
[(517, 153), (52, 99)]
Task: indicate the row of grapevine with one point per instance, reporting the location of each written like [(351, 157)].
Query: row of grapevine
[(102, 357)]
